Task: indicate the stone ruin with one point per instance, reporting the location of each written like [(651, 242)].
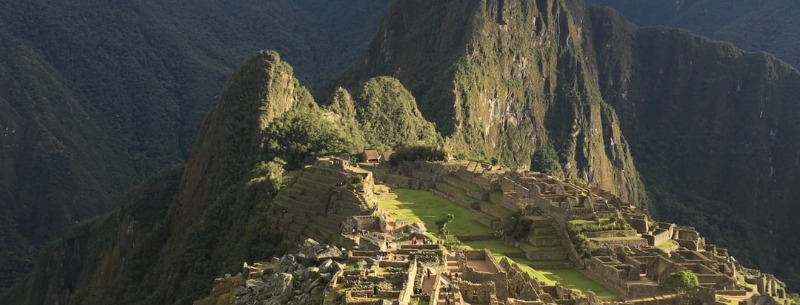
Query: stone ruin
[(631, 261), (484, 280), (381, 267)]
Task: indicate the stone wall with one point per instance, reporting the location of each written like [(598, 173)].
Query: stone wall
[(573, 255), (610, 233), (511, 201), (658, 237), (408, 286), (398, 181), (521, 286), (496, 275), (475, 237), (623, 242), (487, 208), (608, 275), (551, 255), (513, 301), (484, 219), (477, 293), (449, 192)]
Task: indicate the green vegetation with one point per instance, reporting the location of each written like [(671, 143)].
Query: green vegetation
[(119, 92), (414, 153), (667, 245), (569, 278), (681, 283), (441, 224), (389, 116), (517, 227), (425, 207), (686, 164), (742, 23), (97, 121), (546, 160), (495, 245), (496, 196), (302, 134), (579, 226), (616, 238)]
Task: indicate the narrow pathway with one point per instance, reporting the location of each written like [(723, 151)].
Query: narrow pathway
[(429, 282)]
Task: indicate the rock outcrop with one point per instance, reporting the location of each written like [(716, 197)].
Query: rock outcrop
[(287, 280), (510, 81)]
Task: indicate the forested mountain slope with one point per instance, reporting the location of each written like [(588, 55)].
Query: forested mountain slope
[(97, 95), (769, 25), (715, 134), (548, 84)]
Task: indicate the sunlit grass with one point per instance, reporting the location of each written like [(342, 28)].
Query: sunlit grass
[(422, 206), (425, 207), (616, 238), (495, 245), (569, 278)]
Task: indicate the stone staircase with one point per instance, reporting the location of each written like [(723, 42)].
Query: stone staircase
[(546, 248), (451, 267)]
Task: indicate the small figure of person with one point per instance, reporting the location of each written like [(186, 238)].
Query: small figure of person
[(413, 240), (429, 273)]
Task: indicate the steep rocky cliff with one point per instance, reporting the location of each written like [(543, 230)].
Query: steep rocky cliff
[(715, 133), (524, 83), (509, 81)]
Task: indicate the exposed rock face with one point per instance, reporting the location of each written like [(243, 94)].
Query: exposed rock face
[(507, 80), (715, 132), (501, 81), (288, 281)]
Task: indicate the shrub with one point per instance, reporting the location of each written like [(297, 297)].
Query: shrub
[(414, 153)]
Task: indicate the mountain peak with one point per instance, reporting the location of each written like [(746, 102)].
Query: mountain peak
[(231, 139)]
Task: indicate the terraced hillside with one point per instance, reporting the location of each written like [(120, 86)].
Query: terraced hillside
[(315, 202), (481, 214)]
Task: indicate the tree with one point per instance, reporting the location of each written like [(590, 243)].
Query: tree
[(441, 224), (681, 283), (303, 133)]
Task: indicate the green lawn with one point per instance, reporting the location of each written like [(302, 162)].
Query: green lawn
[(495, 245), (422, 206), (497, 208), (426, 207), (666, 245), (546, 231), (496, 196), (530, 247), (617, 238), (575, 222), (569, 278)]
